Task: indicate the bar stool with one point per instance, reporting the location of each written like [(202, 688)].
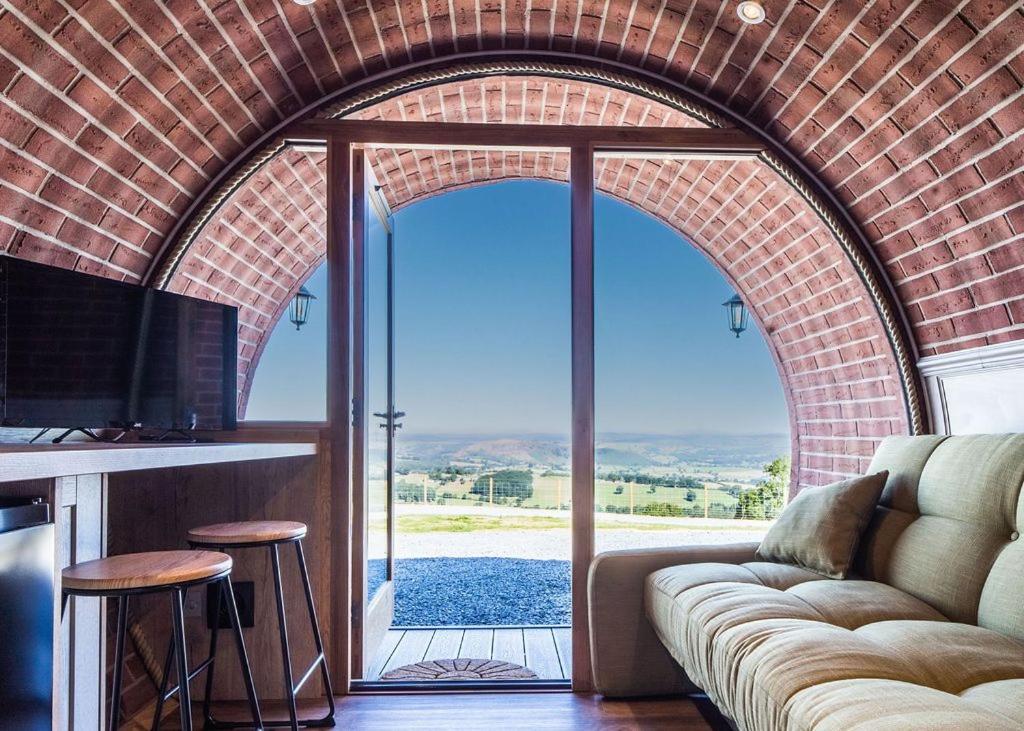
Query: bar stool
[(132, 574), (270, 534)]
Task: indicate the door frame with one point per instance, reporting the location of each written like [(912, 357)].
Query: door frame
[(343, 138)]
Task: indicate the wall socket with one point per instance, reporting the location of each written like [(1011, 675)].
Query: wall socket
[(245, 599)]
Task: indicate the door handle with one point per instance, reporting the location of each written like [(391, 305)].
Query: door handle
[(389, 419)]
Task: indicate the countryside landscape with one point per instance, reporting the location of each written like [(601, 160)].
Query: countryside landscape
[(483, 521), (691, 476)]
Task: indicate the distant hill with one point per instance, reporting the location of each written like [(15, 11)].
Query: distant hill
[(515, 451), (622, 457), (620, 451)]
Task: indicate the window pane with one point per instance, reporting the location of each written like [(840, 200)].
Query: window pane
[(687, 415), (290, 379), (377, 403)]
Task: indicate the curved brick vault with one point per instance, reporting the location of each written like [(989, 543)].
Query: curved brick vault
[(117, 115), (836, 363)]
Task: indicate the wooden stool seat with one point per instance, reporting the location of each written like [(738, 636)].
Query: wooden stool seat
[(247, 533), (152, 570)]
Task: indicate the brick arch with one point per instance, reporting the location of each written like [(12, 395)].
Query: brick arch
[(836, 363), (119, 117)]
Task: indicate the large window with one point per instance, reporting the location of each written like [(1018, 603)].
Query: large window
[(692, 428)]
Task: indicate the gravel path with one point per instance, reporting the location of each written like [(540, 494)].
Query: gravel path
[(443, 592)]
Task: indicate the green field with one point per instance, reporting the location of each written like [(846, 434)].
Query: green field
[(552, 492)]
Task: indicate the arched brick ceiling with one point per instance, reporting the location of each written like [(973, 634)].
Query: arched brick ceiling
[(837, 365), (117, 115)]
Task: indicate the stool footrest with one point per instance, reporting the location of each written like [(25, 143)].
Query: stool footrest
[(198, 669), (316, 663), (325, 722)]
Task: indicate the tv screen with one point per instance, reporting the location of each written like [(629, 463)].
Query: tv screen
[(84, 351)]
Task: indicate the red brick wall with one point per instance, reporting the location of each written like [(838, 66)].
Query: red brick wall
[(116, 114), (262, 244)]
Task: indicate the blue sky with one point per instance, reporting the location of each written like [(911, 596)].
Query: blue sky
[(482, 326)]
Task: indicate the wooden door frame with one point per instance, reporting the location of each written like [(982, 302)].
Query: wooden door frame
[(339, 398), (581, 181), (583, 143)]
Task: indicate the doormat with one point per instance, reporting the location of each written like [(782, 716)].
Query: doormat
[(460, 669)]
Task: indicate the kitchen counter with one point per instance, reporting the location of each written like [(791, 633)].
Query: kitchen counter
[(41, 461)]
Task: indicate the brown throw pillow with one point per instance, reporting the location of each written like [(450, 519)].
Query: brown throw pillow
[(821, 528)]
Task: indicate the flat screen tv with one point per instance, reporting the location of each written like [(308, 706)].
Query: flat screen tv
[(78, 351)]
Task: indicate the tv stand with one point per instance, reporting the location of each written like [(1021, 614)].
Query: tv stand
[(167, 435), (88, 432)]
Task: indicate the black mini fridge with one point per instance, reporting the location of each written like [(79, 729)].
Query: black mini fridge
[(26, 615)]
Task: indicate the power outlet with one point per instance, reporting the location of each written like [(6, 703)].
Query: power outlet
[(194, 604), (245, 600)]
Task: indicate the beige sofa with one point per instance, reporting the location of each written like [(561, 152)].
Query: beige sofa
[(929, 633)]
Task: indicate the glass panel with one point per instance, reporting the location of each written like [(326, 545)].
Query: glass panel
[(377, 401), (692, 427), (482, 339), (290, 379)]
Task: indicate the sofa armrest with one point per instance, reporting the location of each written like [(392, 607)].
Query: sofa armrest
[(627, 657)]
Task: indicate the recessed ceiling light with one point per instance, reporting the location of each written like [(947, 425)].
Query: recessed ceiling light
[(749, 12), (303, 2)]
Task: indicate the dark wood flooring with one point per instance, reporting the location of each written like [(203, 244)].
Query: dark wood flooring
[(489, 712)]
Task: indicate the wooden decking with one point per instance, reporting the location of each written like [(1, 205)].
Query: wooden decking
[(545, 650)]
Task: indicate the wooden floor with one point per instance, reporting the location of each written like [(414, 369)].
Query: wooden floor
[(494, 712), (545, 650)]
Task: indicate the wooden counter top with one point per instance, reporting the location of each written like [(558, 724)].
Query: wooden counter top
[(40, 461)]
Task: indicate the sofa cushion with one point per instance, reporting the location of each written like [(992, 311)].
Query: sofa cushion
[(821, 527), (874, 704), (948, 525), (822, 653)]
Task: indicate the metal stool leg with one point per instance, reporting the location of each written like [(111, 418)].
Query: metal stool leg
[(115, 694), (184, 697), (243, 658), (218, 596), (285, 649), (317, 639), (162, 692)]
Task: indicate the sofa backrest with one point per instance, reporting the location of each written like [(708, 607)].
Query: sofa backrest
[(947, 528)]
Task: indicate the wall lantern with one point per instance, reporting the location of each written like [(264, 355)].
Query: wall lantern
[(298, 311), (737, 313)]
